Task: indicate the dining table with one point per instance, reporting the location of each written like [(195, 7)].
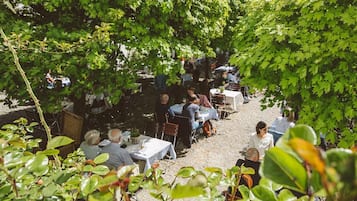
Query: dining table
[(149, 150), (234, 98), (205, 113)]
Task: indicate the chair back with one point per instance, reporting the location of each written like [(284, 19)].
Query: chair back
[(218, 99), (234, 87), (184, 129), (72, 126), (170, 129)]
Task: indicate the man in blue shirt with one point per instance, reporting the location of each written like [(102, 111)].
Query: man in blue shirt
[(191, 110), (117, 156)]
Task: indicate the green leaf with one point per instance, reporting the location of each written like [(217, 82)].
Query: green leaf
[(101, 170), (337, 158), (269, 184), (9, 127), (186, 172), (304, 132), (286, 195), (88, 168), (49, 190), (214, 169), (284, 169), (38, 164), (62, 177), (101, 158), (125, 171), (58, 141), (101, 196), (186, 191), (247, 170), (89, 185), (32, 124), (135, 182), (244, 190), (264, 193), (49, 152), (5, 189)]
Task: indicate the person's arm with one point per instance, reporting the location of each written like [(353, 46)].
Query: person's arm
[(127, 158), (271, 144)]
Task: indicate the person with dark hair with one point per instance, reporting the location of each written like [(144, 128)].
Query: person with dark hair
[(203, 98), (261, 139), (191, 110)]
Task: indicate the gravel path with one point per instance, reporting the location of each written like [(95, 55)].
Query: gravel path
[(222, 149)]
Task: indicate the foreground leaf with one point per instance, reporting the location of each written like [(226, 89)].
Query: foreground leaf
[(58, 141), (186, 191), (308, 153), (284, 169)]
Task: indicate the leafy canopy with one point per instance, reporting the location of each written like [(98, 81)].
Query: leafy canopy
[(303, 52), (101, 45)]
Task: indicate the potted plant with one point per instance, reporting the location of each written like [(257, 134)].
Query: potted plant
[(134, 136)]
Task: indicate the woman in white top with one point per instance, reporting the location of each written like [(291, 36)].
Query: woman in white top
[(261, 139)]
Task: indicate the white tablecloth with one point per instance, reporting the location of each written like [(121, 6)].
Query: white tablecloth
[(205, 113), (150, 149), (235, 98)]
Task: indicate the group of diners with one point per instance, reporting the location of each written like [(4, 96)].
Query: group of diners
[(92, 146), (194, 106)]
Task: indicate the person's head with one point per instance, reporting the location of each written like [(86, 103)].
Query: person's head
[(252, 154), (114, 135), (289, 114), (225, 74), (191, 91), (92, 137), (193, 99), (261, 128), (164, 98)]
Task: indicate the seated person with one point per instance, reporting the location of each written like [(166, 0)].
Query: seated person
[(281, 124), (251, 159), (203, 98), (222, 80), (117, 156), (187, 78), (162, 110), (90, 145), (261, 139), (191, 111)]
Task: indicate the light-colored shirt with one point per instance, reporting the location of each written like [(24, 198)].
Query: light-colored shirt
[(281, 124), (90, 151), (261, 144)]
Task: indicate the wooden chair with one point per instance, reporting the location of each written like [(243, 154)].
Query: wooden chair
[(219, 102), (170, 129), (234, 87), (72, 127)]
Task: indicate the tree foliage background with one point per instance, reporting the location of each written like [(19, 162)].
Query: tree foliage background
[(304, 52), (84, 40)]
